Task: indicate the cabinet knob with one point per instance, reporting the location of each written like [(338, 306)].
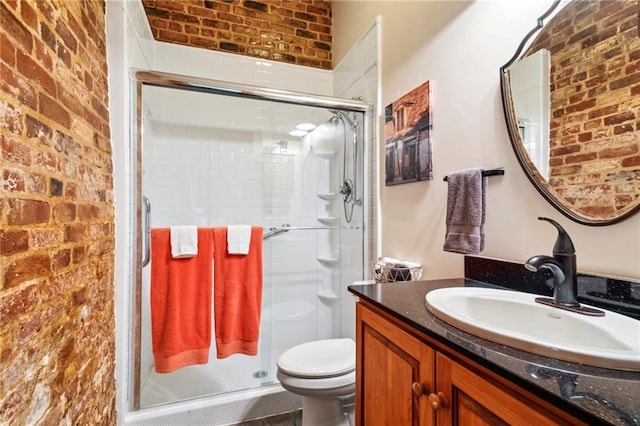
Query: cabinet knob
[(419, 389), (437, 401)]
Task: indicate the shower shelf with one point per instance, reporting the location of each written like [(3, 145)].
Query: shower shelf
[(328, 260), (327, 295), (327, 196), (327, 155), (327, 220)]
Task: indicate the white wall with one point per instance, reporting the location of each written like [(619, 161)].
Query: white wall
[(460, 46)]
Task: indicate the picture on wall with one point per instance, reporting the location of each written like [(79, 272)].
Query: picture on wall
[(408, 142)]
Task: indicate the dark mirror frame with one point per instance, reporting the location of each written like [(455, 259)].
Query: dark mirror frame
[(518, 147)]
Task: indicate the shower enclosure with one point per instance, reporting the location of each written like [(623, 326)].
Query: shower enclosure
[(210, 154)]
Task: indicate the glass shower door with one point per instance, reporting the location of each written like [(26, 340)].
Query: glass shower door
[(214, 160)]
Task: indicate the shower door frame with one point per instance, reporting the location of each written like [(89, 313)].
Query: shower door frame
[(203, 85)]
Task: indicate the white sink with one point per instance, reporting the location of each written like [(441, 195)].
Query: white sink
[(514, 319)]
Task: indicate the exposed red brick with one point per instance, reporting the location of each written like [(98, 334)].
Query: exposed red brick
[(582, 106), (12, 181), (61, 259), (36, 184), (45, 238), (12, 242), (565, 149), (16, 304), (625, 81), (75, 232), (585, 137), (631, 162), (78, 254), (28, 268), (64, 212), (30, 327), (70, 100), (619, 118), (11, 118), (248, 28), (34, 72), (67, 36), (619, 152), (175, 27), (15, 83), (625, 128), (88, 211), (54, 110), (173, 37), (7, 51), (36, 129), (27, 212), (14, 28)]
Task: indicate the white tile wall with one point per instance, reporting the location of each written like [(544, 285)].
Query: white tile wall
[(228, 67), (216, 178)]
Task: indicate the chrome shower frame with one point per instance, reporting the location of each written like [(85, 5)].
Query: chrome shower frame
[(138, 206)]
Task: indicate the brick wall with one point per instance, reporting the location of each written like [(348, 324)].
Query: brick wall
[(56, 216), (292, 31), (595, 105)]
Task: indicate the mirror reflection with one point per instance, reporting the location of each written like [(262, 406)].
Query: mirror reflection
[(573, 107)]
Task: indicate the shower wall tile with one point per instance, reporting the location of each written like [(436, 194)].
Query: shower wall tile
[(223, 66)]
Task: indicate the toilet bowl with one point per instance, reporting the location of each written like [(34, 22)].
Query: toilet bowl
[(323, 373)]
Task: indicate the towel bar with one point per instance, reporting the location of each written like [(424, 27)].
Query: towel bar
[(147, 231), (273, 231), (493, 172)]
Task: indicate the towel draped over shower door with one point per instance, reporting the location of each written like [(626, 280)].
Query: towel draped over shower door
[(180, 302), (237, 295)]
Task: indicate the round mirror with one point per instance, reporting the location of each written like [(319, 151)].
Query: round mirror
[(571, 98)]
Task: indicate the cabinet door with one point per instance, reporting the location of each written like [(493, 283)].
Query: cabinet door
[(470, 400), (394, 377)]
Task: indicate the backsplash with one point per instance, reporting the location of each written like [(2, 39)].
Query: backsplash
[(615, 294)]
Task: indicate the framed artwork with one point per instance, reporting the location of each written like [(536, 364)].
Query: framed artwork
[(408, 141)]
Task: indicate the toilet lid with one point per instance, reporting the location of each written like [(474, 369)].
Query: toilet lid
[(321, 358)]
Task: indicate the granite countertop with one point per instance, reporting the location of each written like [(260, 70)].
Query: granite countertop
[(591, 394)]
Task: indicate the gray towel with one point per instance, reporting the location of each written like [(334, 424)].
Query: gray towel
[(466, 203)]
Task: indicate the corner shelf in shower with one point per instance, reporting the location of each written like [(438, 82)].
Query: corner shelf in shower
[(328, 261), (327, 220), (327, 155), (328, 296), (327, 196)]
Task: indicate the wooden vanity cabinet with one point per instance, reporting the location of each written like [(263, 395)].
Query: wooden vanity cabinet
[(405, 378)]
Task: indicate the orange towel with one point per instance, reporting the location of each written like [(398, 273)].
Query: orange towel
[(237, 295), (180, 302)]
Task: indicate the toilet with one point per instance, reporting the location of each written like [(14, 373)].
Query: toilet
[(323, 373)]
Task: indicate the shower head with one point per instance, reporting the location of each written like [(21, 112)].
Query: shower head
[(343, 116)]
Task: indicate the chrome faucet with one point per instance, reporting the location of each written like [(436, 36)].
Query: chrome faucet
[(562, 265)]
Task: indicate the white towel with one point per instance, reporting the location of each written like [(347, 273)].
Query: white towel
[(184, 241), (238, 239)]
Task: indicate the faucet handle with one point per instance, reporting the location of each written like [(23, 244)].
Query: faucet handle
[(563, 244)]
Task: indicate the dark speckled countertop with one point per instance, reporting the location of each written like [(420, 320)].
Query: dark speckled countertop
[(593, 395)]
